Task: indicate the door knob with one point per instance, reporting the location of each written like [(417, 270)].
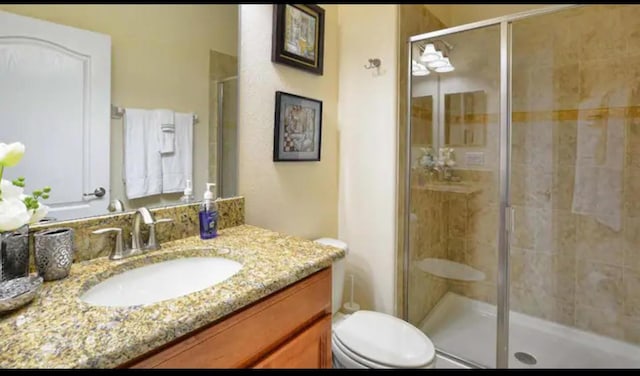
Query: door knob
[(99, 192)]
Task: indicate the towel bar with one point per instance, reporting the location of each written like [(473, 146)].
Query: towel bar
[(118, 112)]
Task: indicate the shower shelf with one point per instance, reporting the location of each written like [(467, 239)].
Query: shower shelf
[(450, 269), (449, 187)]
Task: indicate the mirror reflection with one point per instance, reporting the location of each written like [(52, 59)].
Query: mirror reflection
[(465, 118), (102, 96)]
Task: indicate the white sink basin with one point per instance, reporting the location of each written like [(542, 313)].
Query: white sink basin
[(161, 281)]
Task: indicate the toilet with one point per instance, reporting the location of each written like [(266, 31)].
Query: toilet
[(369, 339)]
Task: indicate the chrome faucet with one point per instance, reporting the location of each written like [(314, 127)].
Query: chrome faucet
[(136, 239), (137, 245)]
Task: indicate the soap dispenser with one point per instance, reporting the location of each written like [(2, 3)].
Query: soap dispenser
[(208, 215), (187, 197)]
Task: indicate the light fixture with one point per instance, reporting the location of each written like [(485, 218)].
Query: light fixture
[(435, 59), (430, 53), (445, 68), (418, 69), (438, 63)]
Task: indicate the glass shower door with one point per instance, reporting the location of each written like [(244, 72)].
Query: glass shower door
[(574, 189), (454, 201)]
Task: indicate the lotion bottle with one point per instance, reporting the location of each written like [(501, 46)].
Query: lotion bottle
[(208, 215), (187, 197)]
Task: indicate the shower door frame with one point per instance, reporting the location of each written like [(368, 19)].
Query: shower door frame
[(506, 223)]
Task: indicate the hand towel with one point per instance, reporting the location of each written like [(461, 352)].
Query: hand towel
[(599, 167), (142, 163), (166, 120), (177, 167)]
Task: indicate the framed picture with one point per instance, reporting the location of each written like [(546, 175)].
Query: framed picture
[(298, 128), (298, 36)]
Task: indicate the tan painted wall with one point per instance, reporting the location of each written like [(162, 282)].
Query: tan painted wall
[(160, 59), (297, 198), (367, 124)]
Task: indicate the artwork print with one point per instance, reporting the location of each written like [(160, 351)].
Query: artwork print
[(298, 131)]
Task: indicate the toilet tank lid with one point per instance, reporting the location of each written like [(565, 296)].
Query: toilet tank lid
[(333, 242)]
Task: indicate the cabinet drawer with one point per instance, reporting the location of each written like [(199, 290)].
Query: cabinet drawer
[(244, 337), (309, 349)]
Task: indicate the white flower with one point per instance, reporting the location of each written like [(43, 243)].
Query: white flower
[(39, 213), (11, 154), (13, 214), (16, 208), (8, 190)]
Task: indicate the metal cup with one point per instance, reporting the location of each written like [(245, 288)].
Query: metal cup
[(14, 254), (54, 252)]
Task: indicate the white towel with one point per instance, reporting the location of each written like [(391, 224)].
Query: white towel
[(177, 167), (599, 168), (142, 163), (166, 119)]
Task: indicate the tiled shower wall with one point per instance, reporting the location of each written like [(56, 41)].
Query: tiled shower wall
[(577, 69), (413, 19)]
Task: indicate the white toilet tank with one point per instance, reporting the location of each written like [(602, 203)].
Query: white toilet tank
[(337, 272)]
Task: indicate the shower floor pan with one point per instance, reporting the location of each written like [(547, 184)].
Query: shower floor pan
[(467, 328)]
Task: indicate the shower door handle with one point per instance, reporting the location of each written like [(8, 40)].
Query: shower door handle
[(511, 219)]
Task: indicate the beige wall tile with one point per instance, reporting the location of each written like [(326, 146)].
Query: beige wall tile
[(483, 291), (599, 285), (631, 281), (562, 187), (631, 327), (564, 147), (603, 321), (553, 274), (598, 242), (538, 303), (565, 88), (555, 231), (483, 225), (525, 226)]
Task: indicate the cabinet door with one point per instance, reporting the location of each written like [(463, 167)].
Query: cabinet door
[(309, 349)]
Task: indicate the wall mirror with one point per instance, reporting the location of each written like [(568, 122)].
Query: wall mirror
[(62, 95), (465, 120)]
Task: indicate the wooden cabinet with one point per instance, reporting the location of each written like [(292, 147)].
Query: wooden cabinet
[(288, 329)]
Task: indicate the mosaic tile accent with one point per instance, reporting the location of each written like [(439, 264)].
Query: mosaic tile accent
[(58, 330)]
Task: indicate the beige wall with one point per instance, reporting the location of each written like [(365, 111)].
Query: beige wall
[(160, 59), (453, 15), (297, 198), (367, 123)]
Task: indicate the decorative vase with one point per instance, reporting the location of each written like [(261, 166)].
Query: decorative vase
[(14, 253), (53, 252)]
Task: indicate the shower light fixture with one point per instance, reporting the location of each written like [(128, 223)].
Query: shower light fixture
[(430, 54), (435, 59), (418, 69), (445, 68)]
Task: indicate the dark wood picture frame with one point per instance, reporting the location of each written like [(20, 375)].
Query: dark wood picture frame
[(300, 23), (297, 135)]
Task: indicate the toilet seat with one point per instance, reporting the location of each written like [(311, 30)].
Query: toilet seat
[(379, 340), (352, 357)]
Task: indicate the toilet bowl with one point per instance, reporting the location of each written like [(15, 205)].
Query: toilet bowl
[(369, 339)]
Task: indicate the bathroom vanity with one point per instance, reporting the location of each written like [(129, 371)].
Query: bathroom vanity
[(288, 329), (274, 312)]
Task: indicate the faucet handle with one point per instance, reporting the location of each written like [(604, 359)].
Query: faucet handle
[(153, 244), (118, 251)]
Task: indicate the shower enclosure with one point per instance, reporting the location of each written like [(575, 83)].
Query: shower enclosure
[(522, 194)]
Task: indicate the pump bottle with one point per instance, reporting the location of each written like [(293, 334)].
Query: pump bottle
[(208, 215)]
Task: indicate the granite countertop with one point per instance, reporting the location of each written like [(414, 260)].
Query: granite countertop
[(57, 330)]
